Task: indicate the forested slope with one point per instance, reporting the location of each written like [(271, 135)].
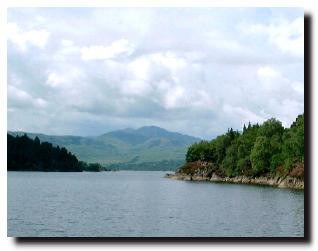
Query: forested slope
[(268, 149)]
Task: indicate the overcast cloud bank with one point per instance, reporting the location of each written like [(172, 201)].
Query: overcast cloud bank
[(86, 71)]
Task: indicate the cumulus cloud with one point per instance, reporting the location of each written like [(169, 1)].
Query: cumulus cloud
[(156, 65), (187, 70), (22, 99), (274, 83), (282, 96), (63, 76), (118, 48), (22, 38), (243, 114), (287, 36)]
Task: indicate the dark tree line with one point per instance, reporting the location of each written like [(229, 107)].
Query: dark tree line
[(25, 154), (268, 148)]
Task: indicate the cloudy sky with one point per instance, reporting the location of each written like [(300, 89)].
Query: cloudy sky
[(86, 71)]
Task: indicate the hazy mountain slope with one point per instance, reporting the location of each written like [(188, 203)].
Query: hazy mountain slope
[(146, 148)]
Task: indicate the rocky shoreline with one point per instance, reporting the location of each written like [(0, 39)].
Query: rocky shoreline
[(281, 182)]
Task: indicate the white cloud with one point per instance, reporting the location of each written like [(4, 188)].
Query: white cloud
[(281, 97), (136, 88), (67, 43), (140, 67), (14, 79), (271, 94), (22, 38), (118, 48), (270, 79), (55, 79), (66, 51), (169, 60), (18, 94), (267, 72), (298, 87), (204, 100), (157, 65), (40, 103), (185, 69), (40, 19), (274, 82), (22, 99), (64, 77), (218, 41), (173, 97), (244, 115), (287, 36)]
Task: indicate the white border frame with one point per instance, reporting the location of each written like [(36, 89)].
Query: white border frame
[(310, 8)]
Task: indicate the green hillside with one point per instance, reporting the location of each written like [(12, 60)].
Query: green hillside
[(146, 148)]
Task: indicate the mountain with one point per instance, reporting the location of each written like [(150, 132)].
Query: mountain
[(150, 136), (145, 148)]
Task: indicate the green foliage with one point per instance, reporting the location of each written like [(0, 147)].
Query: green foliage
[(260, 155), (271, 127), (230, 160), (203, 150), (293, 143), (276, 161), (267, 144), (92, 167), (25, 154), (244, 166), (258, 150), (245, 144)]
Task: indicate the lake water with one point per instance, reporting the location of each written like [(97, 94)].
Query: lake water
[(145, 204)]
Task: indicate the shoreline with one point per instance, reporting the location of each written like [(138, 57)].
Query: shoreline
[(280, 182)]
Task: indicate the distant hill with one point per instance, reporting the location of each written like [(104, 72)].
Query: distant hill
[(145, 148)]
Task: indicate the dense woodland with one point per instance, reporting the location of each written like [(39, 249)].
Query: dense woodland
[(25, 154), (266, 149)]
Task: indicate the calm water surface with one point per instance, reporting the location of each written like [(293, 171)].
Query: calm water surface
[(146, 204)]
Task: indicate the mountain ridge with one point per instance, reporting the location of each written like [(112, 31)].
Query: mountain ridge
[(128, 129), (125, 148)]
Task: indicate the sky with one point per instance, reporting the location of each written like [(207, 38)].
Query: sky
[(197, 71)]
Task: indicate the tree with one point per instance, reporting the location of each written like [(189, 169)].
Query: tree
[(230, 161), (245, 143), (203, 151), (25, 154), (260, 155), (260, 149), (270, 128), (37, 141), (293, 143)]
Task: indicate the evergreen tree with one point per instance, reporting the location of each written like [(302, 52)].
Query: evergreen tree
[(259, 150), (25, 154)]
